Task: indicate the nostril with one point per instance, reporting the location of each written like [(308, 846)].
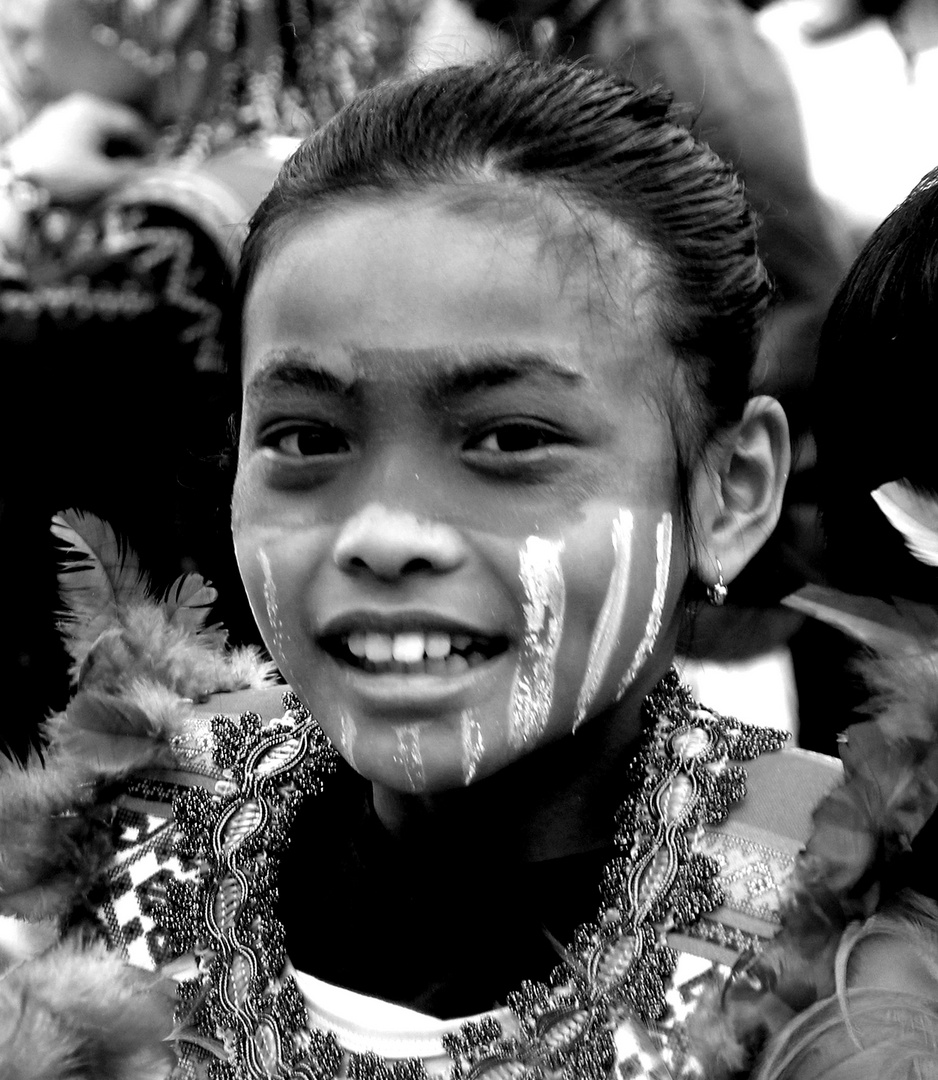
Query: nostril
[(391, 544), (416, 566), (384, 565)]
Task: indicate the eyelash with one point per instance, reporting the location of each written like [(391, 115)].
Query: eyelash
[(542, 435), (275, 438), (532, 458)]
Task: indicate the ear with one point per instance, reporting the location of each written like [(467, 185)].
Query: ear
[(736, 490)]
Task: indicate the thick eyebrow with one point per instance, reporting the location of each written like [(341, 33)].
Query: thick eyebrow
[(295, 369), (489, 371)]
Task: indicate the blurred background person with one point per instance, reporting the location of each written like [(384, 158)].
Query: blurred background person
[(876, 391), (875, 394), (141, 136)]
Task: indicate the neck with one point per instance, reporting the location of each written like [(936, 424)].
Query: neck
[(559, 800)]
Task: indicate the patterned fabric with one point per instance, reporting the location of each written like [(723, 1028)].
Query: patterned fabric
[(146, 862), (144, 918), (753, 874)]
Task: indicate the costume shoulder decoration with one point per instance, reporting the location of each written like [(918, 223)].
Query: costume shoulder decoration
[(849, 987), (139, 660)]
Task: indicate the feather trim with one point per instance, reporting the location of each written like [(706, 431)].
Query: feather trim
[(113, 735), (100, 576), (118, 631), (55, 843), (847, 880), (79, 1012), (140, 662), (901, 626), (878, 1005), (914, 514)]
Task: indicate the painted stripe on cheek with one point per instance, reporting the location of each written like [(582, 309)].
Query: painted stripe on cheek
[(653, 625), (606, 635), (270, 599), (532, 692)]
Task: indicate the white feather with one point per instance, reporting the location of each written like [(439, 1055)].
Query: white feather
[(914, 514)]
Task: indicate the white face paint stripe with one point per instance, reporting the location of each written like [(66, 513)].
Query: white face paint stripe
[(653, 625), (408, 756), (472, 745), (606, 635), (348, 733), (270, 599), (532, 692)]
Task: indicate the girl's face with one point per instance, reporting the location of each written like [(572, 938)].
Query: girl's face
[(456, 506)]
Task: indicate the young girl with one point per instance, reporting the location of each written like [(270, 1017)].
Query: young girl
[(495, 329)]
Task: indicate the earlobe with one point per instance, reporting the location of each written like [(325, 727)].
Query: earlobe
[(736, 490)]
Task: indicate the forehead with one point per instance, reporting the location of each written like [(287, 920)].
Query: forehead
[(399, 285)]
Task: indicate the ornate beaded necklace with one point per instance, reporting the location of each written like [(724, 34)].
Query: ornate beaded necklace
[(252, 1019)]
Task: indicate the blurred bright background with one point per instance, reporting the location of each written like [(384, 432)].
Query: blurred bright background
[(869, 111)]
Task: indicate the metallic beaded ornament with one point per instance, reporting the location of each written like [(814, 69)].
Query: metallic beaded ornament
[(595, 1018)]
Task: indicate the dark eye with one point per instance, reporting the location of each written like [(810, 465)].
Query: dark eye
[(516, 438), (307, 440)]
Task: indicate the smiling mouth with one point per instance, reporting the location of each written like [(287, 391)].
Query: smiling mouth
[(413, 652)]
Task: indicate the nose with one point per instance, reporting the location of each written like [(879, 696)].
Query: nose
[(393, 543)]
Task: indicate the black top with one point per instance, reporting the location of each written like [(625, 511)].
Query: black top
[(365, 911)]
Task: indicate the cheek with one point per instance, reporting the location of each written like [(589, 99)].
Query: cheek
[(544, 607), (614, 638), (653, 566), (594, 603), (276, 565)]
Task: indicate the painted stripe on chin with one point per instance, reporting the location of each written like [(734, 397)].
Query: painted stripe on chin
[(606, 635), (348, 733), (472, 745), (409, 757), (663, 538)]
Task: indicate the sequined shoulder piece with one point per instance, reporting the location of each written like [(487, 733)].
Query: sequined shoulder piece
[(755, 848), (148, 870)]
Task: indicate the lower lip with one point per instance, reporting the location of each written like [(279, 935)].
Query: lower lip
[(413, 695)]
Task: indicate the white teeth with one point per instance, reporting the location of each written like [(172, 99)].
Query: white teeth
[(378, 648), (434, 652), (438, 646), (407, 648)]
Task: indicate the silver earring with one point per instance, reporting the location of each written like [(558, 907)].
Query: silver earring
[(716, 593)]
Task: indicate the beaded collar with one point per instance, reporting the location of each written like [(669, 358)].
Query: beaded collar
[(251, 1019)]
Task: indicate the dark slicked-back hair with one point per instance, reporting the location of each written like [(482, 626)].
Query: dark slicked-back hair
[(609, 151), (876, 393)]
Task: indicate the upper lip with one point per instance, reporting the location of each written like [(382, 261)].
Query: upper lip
[(399, 622)]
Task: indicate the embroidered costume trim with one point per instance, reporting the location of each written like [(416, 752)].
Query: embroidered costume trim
[(615, 974)]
